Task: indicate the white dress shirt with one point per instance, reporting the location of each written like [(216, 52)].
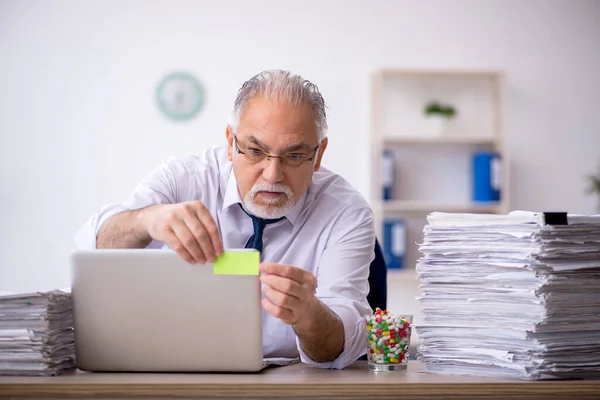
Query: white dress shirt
[(329, 233)]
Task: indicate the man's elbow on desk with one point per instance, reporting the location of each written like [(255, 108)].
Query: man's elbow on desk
[(341, 340)]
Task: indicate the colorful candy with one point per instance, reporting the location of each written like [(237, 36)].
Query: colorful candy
[(389, 337)]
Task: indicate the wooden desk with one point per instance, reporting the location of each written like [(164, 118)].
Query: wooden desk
[(293, 382)]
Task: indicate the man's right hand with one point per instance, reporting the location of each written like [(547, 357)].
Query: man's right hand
[(188, 228)]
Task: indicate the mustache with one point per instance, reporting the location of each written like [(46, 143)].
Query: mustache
[(271, 187)]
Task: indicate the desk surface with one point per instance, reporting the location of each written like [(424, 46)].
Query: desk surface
[(295, 381)]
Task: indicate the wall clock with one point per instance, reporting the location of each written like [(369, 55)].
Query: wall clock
[(180, 96)]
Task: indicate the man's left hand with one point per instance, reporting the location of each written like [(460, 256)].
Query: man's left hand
[(289, 291)]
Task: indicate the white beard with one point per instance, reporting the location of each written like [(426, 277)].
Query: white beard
[(272, 211)]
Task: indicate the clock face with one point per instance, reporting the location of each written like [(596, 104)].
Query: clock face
[(180, 96)]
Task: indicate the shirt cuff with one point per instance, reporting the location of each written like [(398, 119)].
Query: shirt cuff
[(87, 234), (355, 339)]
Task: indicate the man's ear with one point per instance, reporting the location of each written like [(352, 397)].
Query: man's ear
[(322, 148), (229, 136)]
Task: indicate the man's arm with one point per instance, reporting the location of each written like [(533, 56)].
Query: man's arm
[(124, 230), (321, 336), (290, 296), (343, 274), (111, 226), (155, 213), (188, 229), (328, 320)]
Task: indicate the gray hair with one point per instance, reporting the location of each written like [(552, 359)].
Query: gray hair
[(279, 85)]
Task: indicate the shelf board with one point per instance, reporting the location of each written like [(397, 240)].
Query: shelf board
[(410, 206), (456, 140), (402, 275), (440, 73)]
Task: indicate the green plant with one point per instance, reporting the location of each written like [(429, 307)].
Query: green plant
[(594, 186), (434, 107)]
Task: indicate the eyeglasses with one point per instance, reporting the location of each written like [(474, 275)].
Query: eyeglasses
[(255, 155)]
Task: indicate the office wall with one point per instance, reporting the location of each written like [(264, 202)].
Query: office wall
[(79, 127)]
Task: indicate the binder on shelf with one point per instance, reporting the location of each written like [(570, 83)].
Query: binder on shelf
[(388, 164), (486, 176), (394, 242)]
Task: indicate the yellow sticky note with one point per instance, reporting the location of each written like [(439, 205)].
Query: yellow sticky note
[(237, 262)]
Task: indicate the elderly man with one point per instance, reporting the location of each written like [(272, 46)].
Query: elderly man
[(267, 190)]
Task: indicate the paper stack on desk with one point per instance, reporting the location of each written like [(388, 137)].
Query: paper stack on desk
[(36, 334), (515, 296)]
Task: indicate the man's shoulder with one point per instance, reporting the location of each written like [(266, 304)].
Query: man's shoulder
[(199, 176), (212, 159), (332, 190)]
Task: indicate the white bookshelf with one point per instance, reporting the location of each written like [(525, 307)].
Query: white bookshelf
[(433, 172), (412, 206), (390, 140)]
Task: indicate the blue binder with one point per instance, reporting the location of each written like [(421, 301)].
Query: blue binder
[(486, 176), (394, 242), (388, 174)]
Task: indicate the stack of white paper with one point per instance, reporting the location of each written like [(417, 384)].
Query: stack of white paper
[(510, 296), (36, 334)]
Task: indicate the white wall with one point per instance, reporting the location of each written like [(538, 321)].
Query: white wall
[(79, 128)]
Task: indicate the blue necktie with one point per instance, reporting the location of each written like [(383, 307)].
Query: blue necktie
[(255, 241)]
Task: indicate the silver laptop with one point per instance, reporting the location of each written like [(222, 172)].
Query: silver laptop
[(149, 310)]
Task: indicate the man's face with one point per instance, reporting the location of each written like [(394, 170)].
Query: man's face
[(270, 187)]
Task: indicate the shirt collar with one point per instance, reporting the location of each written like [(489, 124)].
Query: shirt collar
[(295, 212), (232, 197)]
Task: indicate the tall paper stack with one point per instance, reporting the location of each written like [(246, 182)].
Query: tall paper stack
[(510, 295), (36, 334)]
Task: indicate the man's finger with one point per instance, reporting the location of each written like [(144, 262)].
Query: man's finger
[(281, 299), (283, 314), (212, 230), (187, 239), (201, 236), (286, 271), (284, 285), (178, 247)]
